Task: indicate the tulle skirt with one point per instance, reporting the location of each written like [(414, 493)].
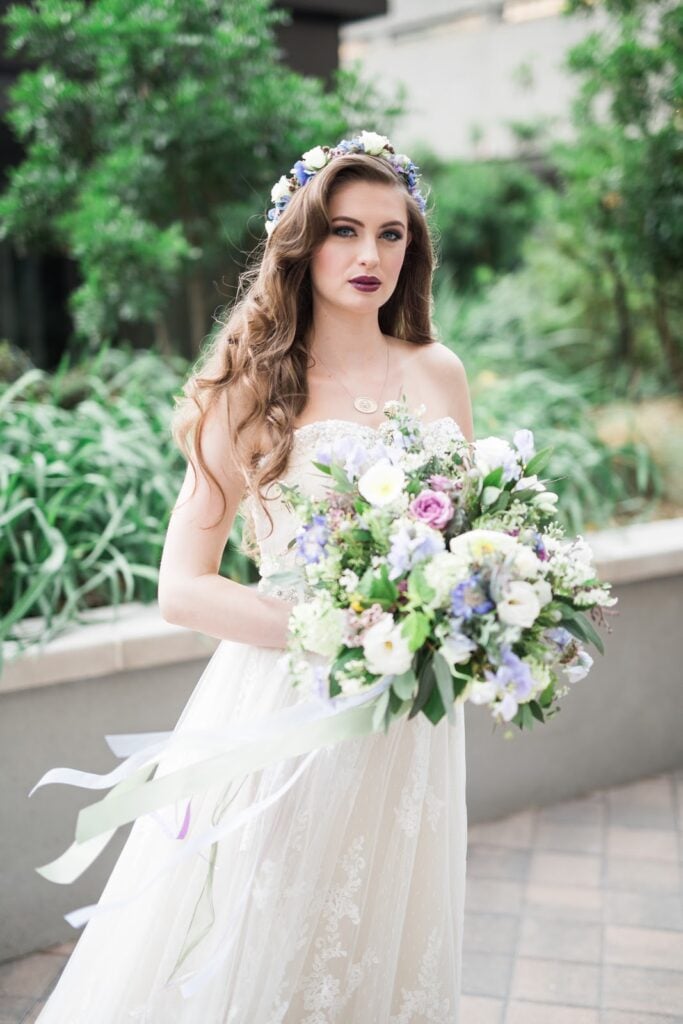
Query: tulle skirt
[(343, 900)]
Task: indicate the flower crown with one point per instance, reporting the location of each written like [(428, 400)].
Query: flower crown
[(315, 159)]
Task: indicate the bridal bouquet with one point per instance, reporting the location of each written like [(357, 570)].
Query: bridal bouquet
[(439, 565)]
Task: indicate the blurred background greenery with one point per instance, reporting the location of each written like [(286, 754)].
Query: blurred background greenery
[(149, 154)]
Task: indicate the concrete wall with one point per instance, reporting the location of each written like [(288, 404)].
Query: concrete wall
[(470, 67)]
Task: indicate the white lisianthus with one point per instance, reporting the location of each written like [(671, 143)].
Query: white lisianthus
[(382, 483), (520, 605), (318, 626), (315, 159), (544, 591), (475, 544), (373, 143), (270, 227), (531, 483), (280, 189), (489, 495), (545, 500), (386, 649), (457, 649)]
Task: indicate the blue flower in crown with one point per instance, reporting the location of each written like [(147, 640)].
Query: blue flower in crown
[(315, 159)]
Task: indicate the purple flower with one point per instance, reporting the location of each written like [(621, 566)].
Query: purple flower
[(470, 598), (410, 545), (539, 548), (512, 670), (311, 539), (433, 508)]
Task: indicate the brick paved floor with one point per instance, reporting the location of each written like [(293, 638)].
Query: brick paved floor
[(574, 915)]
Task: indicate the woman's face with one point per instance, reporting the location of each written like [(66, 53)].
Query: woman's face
[(368, 238)]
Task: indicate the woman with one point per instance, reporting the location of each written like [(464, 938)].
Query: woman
[(342, 899)]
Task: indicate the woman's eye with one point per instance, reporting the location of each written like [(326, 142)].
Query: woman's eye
[(396, 235)]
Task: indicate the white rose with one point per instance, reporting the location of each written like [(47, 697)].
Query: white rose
[(492, 452), (382, 483), (373, 143), (280, 189), (520, 605), (315, 158), (386, 649)]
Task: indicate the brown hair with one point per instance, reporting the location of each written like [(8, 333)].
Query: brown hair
[(261, 345)]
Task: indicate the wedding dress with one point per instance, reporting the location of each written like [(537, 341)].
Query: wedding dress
[(342, 901)]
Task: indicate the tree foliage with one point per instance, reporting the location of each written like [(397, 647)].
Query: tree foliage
[(153, 132), (622, 172)]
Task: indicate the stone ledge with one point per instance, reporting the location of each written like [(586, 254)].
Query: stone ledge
[(137, 637)]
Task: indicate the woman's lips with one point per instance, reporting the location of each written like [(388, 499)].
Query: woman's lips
[(366, 286)]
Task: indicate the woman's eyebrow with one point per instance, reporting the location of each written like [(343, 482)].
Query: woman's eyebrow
[(389, 223)]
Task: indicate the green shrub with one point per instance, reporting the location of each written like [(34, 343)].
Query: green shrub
[(88, 476)]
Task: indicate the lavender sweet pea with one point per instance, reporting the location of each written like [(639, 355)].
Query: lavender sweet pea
[(311, 539), (432, 507)]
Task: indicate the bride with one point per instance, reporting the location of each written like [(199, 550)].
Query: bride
[(342, 899)]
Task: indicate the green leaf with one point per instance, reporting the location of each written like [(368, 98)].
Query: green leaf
[(419, 591), (539, 461), (404, 685), (415, 628), (444, 681), (426, 683)]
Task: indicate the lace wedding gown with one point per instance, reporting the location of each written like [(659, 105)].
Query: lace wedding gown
[(341, 902)]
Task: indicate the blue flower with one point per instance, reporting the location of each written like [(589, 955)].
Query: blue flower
[(302, 173), (470, 598)]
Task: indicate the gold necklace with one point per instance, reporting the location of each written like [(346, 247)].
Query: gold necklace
[(362, 403)]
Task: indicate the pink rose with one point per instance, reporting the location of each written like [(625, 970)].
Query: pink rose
[(433, 508)]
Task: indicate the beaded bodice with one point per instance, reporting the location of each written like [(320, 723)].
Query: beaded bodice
[(273, 546)]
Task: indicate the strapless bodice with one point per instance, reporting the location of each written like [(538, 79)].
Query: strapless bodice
[(308, 439)]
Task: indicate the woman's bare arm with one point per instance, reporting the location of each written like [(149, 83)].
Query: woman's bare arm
[(191, 591)]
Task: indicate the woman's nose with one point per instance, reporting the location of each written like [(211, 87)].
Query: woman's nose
[(368, 252)]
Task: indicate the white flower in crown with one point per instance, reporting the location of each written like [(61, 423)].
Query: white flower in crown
[(280, 189), (373, 143), (382, 483), (316, 158)]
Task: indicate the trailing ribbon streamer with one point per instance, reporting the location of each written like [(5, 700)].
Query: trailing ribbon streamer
[(293, 730)]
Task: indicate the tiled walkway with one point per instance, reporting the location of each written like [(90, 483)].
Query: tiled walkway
[(574, 916)]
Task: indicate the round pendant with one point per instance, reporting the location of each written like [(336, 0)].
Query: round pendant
[(364, 404)]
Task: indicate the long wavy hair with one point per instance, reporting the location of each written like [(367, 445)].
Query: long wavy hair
[(260, 345)]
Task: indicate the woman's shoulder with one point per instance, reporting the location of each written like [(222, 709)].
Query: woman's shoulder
[(432, 355)]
